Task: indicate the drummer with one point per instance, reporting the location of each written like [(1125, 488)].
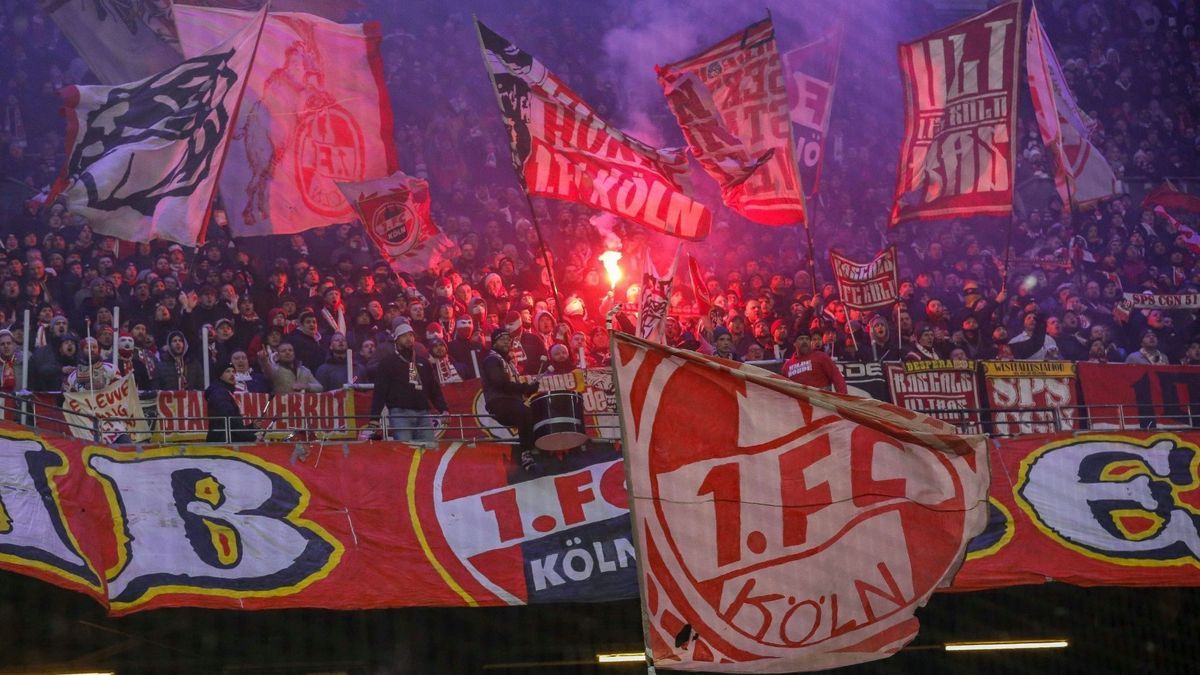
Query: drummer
[(504, 394)]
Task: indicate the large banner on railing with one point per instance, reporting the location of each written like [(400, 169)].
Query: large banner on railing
[(1090, 510), (314, 525), (1030, 397), (386, 525), (180, 415), (937, 388), (1131, 396)]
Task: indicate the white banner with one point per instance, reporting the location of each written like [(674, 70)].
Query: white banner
[(114, 406), (1081, 173), (142, 158)]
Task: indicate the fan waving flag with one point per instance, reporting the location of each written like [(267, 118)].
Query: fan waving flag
[(562, 149), (732, 104), (1081, 174), (143, 158), (780, 527), (960, 112), (395, 213), (316, 113)]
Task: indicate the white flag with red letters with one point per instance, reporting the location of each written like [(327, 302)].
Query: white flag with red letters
[(780, 527)]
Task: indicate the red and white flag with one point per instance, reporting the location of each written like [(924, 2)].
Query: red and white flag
[(960, 94), (655, 298), (316, 113), (812, 69), (732, 104), (781, 527), (143, 157), (1081, 174), (562, 149), (868, 285), (699, 285), (396, 215), (1169, 196)]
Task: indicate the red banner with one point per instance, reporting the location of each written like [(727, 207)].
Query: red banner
[(1130, 396), (180, 415), (938, 388), (562, 149), (813, 71), (960, 96), (868, 285), (314, 525), (1030, 397), (731, 102), (1090, 510)]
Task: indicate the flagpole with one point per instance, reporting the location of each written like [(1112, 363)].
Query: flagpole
[(639, 559), (200, 236), (537, 226)]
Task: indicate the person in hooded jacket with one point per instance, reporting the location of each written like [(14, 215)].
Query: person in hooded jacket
[(225, 422), (176, 370)]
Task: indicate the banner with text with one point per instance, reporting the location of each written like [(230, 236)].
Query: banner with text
[(271, 526), (472, 529), (813, 71), (1031, 397), (960, 110), (939, 389), (1090, 510), (731, 102), (1131, 396), (868, 285)]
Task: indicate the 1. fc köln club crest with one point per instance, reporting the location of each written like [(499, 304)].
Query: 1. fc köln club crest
[(783, 533)]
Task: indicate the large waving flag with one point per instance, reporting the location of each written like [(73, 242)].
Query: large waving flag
[(120, 41), (316, 114), (562, 149), (127, 40), (960, 96), (1081, 174), (780, 527), (395, 213), (732, 103), (812, 69), (143, 158)]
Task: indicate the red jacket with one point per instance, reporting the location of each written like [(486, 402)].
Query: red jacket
[(814, 369)]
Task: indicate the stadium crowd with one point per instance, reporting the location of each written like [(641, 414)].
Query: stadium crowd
[(286, 314)]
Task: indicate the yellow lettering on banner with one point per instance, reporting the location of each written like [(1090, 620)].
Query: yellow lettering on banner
[(1028, 369)]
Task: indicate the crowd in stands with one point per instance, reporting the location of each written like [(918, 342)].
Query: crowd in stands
[(287, 314)]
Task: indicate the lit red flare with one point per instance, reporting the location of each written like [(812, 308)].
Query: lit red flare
[(612, 268)]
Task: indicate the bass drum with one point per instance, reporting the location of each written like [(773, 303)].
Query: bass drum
[(558, 421)]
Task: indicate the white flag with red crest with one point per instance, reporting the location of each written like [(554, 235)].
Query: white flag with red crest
[(396, 215), (315, 114), (781, 527)]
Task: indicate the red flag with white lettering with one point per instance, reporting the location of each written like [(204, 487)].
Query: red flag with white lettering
[(562, 149), (781, 527), (812, 69), (732, 103), (868, 285), (960, 94)]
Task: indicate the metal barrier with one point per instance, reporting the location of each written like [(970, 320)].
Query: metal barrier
[(37, 415), (24, 409)]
